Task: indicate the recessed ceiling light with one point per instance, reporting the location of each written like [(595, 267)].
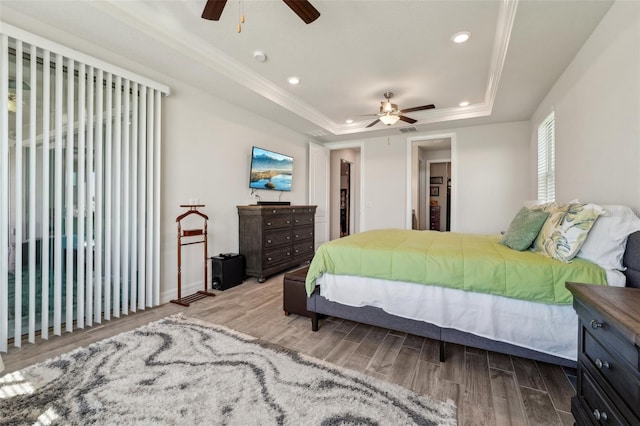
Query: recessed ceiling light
[(461, 37), (293, 80), (464, 103), (348, 121)]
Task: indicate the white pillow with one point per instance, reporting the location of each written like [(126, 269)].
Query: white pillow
[(607, 238)]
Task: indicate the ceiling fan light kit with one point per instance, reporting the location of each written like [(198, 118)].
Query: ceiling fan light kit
[(389, 119)]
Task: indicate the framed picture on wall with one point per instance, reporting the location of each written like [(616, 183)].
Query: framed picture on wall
[(434, 191), (435, 180)]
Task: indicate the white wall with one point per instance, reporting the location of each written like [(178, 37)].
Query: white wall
[(490, 177), (384, 162), (597, 115), (206, 155)]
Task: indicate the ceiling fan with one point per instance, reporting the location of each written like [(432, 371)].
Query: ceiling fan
[(389, 113), (302, 8)]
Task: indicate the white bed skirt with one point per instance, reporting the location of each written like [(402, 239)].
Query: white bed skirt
[(546, 328), (551, 329)]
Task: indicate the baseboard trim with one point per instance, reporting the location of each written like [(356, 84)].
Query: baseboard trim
[(172, 293)]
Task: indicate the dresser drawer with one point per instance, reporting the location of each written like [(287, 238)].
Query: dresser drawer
[(303, 219), (304, 233), (277, 221), (277, 237), (611, 369), (303, 248), (607, 335), (276, 256), (309, 209), (598, 407)]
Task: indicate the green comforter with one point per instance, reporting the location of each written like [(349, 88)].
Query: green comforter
[(470, 262)]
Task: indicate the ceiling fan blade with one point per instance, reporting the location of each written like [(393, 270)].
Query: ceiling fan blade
[(304, 10), (213, 9), (419, 108), (374, 123), (407, 119)]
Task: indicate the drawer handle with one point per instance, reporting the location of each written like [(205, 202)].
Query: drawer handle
[(600, 415), (288, 221), (268, 223), (595, 324), (599, 363), (288, 253), (269, 259), (268, 241), (297, 251)]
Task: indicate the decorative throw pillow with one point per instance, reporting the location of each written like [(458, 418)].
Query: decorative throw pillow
[(556, 214), (566, 230), (524, 229)]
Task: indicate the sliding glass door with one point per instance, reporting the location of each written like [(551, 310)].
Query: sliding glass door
[(80, 187)]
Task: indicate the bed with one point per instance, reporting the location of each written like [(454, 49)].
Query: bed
[(534, 321)]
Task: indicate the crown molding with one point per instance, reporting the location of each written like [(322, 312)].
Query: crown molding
[(145, 18)]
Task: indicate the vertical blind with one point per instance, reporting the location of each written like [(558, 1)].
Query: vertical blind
[(547, 160), (79, 189)]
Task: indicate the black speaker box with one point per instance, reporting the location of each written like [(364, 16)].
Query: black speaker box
[(227, 271)]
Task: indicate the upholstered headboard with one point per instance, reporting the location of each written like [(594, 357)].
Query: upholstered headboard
[(632, 260)]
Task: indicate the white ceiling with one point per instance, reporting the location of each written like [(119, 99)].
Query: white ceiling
[(347, 58)]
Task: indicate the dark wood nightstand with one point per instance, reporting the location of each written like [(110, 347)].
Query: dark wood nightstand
[(608, 355)]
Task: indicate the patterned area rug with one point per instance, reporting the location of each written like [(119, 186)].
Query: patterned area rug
[(185, 371)]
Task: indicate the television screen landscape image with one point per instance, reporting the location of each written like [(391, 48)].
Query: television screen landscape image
[(270, 170)]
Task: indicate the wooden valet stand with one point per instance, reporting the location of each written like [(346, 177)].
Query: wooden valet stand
[(186, 233)]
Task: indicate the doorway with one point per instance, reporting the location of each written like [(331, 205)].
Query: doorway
[(431, 183), (345, 198), (324, 187), (345, 192), (439, 196)]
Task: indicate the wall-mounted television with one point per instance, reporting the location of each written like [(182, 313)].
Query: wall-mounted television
[(270, 170)]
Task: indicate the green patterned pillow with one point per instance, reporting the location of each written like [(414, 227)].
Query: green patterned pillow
[(566, 230), (524, 229)]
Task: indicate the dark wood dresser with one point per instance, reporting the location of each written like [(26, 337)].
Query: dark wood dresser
[(275, 238), (608, 355), (434, 218)]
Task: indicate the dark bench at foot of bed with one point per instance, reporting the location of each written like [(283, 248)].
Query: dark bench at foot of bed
[(294, 295)]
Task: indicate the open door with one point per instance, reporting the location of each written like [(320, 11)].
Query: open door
[(319, 167)]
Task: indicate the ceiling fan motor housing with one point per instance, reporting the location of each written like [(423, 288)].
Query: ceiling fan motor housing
[(387, 107)]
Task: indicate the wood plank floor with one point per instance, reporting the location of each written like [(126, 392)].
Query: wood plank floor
[(488, 388)]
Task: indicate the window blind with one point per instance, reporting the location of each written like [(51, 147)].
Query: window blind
[(546, 160), (79, 189)]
